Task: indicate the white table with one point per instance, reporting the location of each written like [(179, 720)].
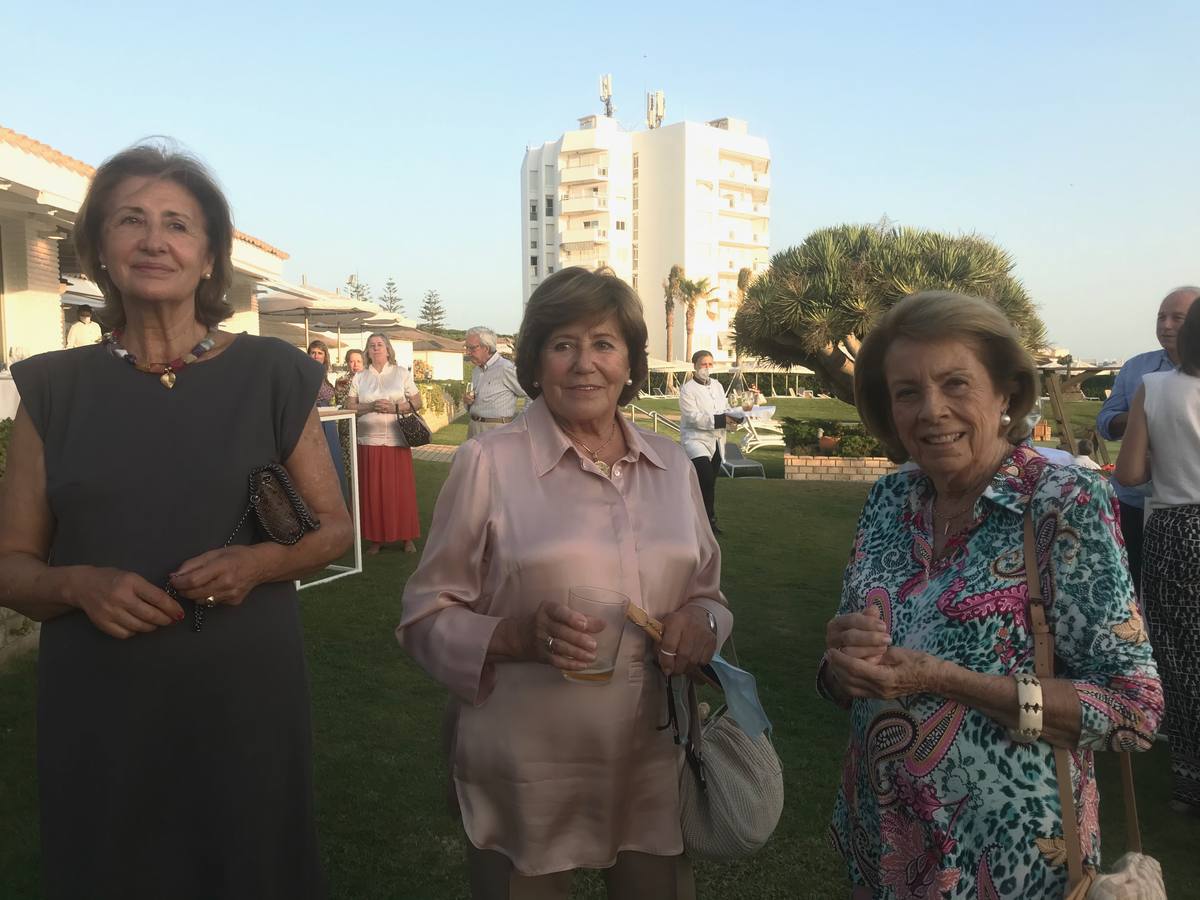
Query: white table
[(332, 414)]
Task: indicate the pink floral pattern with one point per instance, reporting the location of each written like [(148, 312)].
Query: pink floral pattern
[(936, 800)]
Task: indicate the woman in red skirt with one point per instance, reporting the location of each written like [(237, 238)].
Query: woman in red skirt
[(387, 491)]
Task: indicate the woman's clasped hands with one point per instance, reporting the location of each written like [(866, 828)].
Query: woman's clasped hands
[(863, 662)]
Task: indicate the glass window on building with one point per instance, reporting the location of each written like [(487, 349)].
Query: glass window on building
[(532, 210)]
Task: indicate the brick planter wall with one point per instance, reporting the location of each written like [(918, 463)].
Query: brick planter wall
[(836, 468), (17, 634)]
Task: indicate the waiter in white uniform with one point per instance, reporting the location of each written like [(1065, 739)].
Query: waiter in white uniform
[(702, 413)]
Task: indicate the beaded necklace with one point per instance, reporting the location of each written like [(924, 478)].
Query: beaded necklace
[(164, 371)]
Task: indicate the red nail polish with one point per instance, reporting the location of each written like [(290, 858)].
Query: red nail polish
[(179, 617)]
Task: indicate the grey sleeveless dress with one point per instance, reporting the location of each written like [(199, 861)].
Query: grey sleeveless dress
[(172, 764)]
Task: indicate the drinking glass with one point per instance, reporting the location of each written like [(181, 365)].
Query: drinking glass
[(609, 607)]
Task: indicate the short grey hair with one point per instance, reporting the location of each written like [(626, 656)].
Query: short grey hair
[(486, 336)]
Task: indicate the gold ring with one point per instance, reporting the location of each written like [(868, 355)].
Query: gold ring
[(210, 601)]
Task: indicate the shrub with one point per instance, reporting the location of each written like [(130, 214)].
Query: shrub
[(456, 389), (859, 444), (6, 427), (799, 434), (421, 370)]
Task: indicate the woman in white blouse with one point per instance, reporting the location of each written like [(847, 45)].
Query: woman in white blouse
[(1163, 439), (380, 394)]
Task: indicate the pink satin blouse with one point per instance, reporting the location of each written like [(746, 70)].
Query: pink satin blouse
[(552, 774)]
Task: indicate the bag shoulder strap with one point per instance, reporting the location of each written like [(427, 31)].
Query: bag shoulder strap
[(1043, 661)]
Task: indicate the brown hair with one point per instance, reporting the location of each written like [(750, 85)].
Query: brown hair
[(323, 347), (163, 162), (352, 351), (1187, 341), (931, 316), (571, 295), (387, 342)]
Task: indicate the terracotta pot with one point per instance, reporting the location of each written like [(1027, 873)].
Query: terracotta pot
[(827, 444)]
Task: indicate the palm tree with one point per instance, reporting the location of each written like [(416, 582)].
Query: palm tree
[(671, 296), (817, 301), (692, 292), (745, 276)]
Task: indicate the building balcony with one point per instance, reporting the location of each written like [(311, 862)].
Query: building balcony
[(743, 209), (749, 239), (583, 204), (746, 179), (583, 175), (587, 260), (586, 236)]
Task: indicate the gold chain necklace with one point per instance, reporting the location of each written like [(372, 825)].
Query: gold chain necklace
[(605, 468)]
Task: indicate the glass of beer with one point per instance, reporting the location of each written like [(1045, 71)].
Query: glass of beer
[(609, 607)]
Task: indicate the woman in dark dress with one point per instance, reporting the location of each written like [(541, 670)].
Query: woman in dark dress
[(171, 762)]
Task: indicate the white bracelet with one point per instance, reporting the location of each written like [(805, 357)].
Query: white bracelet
[(1029, 710)]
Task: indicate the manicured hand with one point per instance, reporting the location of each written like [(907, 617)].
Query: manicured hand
[(899, 673), (226, 575), (122, 604), (688, 643)]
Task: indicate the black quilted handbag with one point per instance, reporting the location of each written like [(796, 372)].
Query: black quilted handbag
[(416, 432)]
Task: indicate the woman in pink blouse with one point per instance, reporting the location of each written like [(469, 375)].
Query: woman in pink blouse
[(387, 490), (551, 776)]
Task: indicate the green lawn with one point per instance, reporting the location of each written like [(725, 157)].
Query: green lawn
[(379, 774)]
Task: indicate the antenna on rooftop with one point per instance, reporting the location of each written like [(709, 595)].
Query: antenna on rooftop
[(656, 109), (606, 94)]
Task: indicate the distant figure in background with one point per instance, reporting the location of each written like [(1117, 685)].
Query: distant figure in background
[(387, 489), (1163, 438), (319, 351), (702, 412), (1083, 458), (492, 397), (84, 331), (1114, 414), (355, 363)]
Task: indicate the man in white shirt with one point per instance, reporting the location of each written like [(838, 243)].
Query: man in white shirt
[(492, 398), (84, 331), (702, 412)]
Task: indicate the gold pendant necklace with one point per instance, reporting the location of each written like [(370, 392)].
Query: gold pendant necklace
[(605, 468)]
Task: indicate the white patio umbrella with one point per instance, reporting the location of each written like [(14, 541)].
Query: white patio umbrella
[(327, 314)]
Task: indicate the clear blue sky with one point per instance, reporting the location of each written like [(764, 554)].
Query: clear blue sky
[(362, 137)]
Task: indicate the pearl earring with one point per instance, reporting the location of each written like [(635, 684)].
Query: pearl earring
[(535, 384), (207, 276), (1005, 419), (103, 267), (628, 381)]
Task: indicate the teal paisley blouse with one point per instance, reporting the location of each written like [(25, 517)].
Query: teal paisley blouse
[(936, 800)]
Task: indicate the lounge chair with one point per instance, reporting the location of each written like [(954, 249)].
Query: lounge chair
[(732, 461)]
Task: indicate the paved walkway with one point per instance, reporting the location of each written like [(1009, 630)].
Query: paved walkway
[(435, 452)]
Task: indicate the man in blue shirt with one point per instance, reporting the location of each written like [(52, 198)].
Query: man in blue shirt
[(1114, 414)]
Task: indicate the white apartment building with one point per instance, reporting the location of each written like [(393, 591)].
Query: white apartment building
[(692, 194)]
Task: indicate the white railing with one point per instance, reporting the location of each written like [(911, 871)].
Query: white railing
[(656, 418)]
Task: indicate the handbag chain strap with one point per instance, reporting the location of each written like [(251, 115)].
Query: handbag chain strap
[(1043, 663)]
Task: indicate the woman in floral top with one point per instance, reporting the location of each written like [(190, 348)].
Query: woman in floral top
[(940, 797)]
